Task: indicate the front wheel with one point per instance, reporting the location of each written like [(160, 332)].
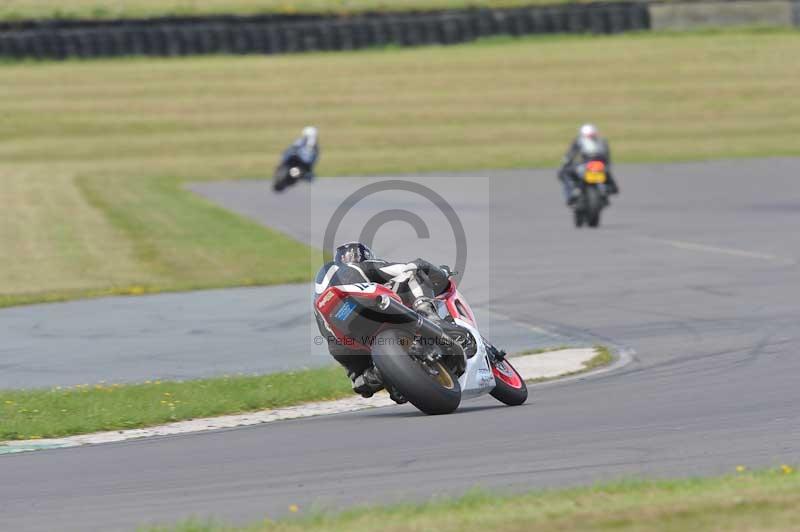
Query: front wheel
[(280, 179), (510, 387), (430, 386)]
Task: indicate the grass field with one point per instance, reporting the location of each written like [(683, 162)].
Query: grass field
[(103, 9), (764, 501), (93, 154)]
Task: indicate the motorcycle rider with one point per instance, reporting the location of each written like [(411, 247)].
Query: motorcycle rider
[(355, 263), (587, 146), (306, 148)]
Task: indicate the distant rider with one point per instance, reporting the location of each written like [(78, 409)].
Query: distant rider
[(306, 149), (587, 146), (355, 263)]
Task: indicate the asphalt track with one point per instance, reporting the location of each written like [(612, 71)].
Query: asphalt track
[(696, 268), (184, 336)]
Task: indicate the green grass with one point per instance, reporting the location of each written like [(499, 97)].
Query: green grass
[(87, 408), (105, 9), (83, 409), (766, 500), (93, 154), (152, 238), (602, 358)]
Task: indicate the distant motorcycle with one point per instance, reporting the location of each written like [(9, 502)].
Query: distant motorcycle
[(593, 193), (431, 364), (290, 171)]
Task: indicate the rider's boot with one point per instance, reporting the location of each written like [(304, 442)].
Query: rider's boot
[(366, 383)]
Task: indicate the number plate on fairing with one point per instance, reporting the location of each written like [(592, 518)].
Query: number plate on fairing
[(594, 178)]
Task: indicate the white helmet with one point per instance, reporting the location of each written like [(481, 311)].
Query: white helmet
[(310, 134), (588, 131)]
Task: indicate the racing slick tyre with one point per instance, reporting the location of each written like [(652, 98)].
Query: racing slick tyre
[(594, 204), (279, 180), (430, 387), (578, 218), (510, 387)]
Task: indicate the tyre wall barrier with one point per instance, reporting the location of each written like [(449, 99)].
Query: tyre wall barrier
[(276, 34)]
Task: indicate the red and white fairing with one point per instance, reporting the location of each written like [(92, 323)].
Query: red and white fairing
[(479, 376)]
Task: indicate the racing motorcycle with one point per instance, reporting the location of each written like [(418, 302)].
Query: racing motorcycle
[(431, 364), (593, 195), (290, 171)]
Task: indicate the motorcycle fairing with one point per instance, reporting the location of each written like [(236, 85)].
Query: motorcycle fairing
[(340, 306), (478, 378)]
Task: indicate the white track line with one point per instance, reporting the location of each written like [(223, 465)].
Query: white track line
[(543, 365), (692, 246)]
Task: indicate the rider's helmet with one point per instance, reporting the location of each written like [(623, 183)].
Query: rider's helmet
[(310, 134), (352, 252), (588, 131)]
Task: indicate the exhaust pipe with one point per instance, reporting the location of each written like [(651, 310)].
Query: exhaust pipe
[(394, 312)]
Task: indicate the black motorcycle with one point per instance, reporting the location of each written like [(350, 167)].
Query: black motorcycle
[(593, 193), (290, 171)]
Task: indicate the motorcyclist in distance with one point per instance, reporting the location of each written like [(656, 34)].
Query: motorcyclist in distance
[(587, 146), (306, 148), (355, 263)]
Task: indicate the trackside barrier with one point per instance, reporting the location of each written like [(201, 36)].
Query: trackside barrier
[(278, 34), (275, 35)]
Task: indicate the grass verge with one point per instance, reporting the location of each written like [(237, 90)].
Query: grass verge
[(601, 359), (86, 408), (93, 154), (83, 409), (107, 9), (765, 500)]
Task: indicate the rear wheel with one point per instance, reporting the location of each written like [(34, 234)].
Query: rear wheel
[(509, 387), (578, 218), (430, 386), (594, 204)]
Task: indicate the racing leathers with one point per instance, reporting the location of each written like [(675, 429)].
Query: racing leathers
[(582, 150), (428, 282)]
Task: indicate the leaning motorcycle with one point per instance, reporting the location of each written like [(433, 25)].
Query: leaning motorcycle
[(593, 194), (432, 364), (290, 171)]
